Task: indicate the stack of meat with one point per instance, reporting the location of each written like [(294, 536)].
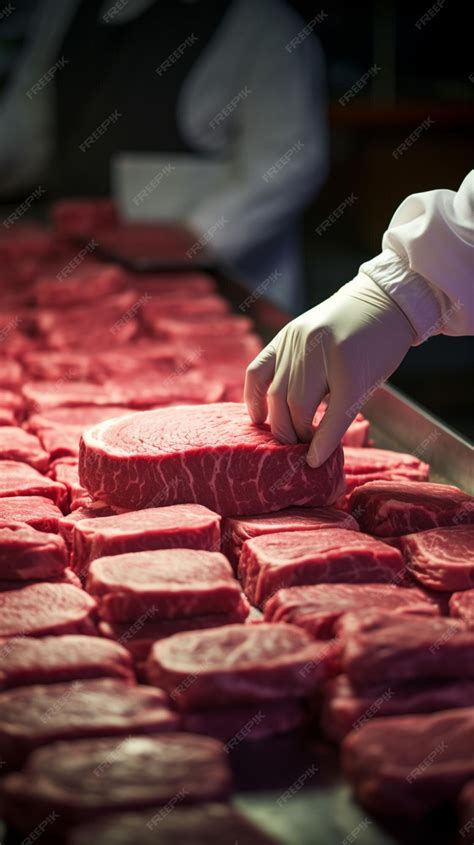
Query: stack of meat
[(123, 447)]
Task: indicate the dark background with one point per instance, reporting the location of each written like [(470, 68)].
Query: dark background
[(424, 73)]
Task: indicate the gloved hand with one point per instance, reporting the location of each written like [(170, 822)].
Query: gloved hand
[(346, 346)]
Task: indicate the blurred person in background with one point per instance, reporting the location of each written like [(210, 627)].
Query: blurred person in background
[(211, 113)]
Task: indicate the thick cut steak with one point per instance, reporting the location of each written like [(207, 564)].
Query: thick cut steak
[(239, 664), (317, 608), (236, 530), (408, 765), (211, 454), (346, 708), (17, 479), (37, 511), (48, 660), (88, 284), (329, 555), (209, 824), (381, 648), (17, 445), (65, 470), (66, 577), (173, 583), (178, 526), (139, 636), (28, 554), (42, 713), (365, 463), (462, 605), (89, 778), (247, 723), (40, 609), (394, 508), (443, 558), (79, 417)]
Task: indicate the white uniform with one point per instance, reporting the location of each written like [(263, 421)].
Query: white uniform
[(261, 128)]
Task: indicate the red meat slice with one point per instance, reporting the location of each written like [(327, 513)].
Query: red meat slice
[(66, 471), (78, 417), (10, 372), (42, 396), (329, 555), (17, 479), (139, 636), (210, 454), (48, 660), (36, 511), (146, 391), (380, 647), (318, 608), (409, 765), (88, 283), (441, 559), (394, 508), (173, 582), (66, 577), (26, 553), (346, 708), (462, 606), (50, 365), (239, 664), (81, 218), (209, 823), (365, 465), (182, 526), (17, 445), (234, 725), (89, 778), (10, 401), (61, 442), (236, 530), (40, 609), (176, 328), (42, 713), (189, 286), (187, 310)]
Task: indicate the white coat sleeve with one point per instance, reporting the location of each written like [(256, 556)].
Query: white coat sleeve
[(280, 157), (427, 261)]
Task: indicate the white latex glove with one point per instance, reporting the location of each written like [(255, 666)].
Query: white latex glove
[(345, 347)]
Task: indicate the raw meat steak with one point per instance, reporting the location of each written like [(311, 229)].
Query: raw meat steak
[(239, 664), (17, 445), (189, 286), (235, 531), (47, 364), (462, 606), (80, 218), (393, 508), (144, 391), (37, 511), (10, 373), (61, 442), (209, 824), (43, 396), (443, 558), (328, 555), (66, 471), (88, 284), (234, 725), (211, 454), (66, 577), (175, 582), (42, 713), (346, 708), (177, 328), (362, 465), (408, 765), (358, 432), (317, 608), (26, 553), (40, 609), (78, 417), (10, 403), (89, 778), (17, 479), (178, 526), (48, 660), (380, 647), (139, 637), (466, 809)]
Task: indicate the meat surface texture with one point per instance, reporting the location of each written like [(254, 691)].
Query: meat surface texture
[(443, 558), (88, 778), (381, 648), (17, 445), (236, 530), (26, 553), (364, 464), (183, 526), (317, 608), (208, 824), (394, 508), (247, 722), (36, 715), (209, 454), (18, 479), (37, 511), (346, 707), (173, 583), (47, 660), (409, 765), (462, 605), (40, 609), (238, 664), (273, 561)]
